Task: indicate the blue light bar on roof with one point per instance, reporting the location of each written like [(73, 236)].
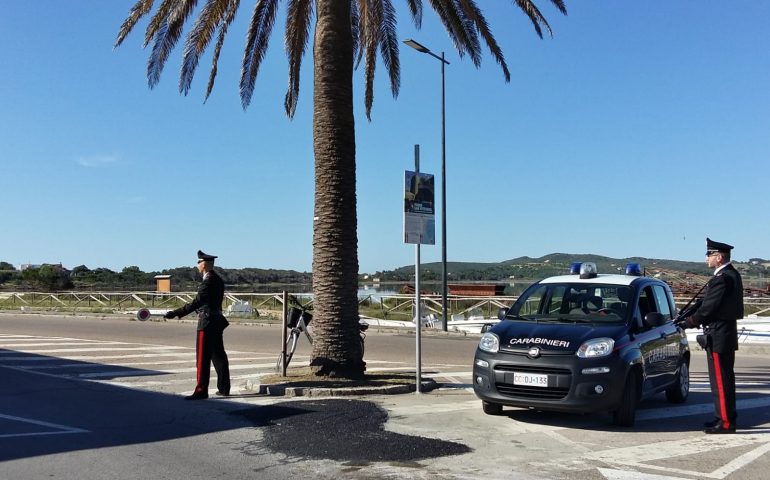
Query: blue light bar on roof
[(634, 269), (574, 269)]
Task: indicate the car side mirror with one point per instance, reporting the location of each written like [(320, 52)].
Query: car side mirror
[(502, 313), (654, 319)]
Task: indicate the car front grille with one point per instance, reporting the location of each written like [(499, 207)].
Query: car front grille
[(544, 370), (531, 392), (543, 393)]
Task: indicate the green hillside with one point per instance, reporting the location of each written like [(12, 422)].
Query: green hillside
[(556, 264)]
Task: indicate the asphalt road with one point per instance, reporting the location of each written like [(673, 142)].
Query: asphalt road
[(102, 398)]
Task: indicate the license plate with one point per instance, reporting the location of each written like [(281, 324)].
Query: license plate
[(530, 379)]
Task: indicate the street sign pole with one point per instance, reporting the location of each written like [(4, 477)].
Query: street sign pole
[(417, 301)]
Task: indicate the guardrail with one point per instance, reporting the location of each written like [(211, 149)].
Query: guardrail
[(387, 304), (128, 300)]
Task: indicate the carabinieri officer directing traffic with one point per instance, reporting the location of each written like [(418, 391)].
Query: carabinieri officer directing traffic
[(721, 307), (209, 346)]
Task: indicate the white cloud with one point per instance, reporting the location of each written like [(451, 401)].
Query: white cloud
[(97, 161)]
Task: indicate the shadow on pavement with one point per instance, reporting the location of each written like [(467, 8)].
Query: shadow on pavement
[(656, 415), (44, 414), (310, 428)]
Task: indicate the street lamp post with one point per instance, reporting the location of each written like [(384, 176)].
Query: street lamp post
[(423, 49)]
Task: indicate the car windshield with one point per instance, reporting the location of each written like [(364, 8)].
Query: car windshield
[(572, 303)]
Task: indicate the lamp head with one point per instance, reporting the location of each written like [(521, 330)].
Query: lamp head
[(417, 46)]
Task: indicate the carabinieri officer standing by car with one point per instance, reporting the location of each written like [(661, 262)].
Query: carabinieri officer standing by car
[(209, 346), (720, 308)]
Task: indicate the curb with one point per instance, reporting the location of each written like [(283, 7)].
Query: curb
[(283, 390)]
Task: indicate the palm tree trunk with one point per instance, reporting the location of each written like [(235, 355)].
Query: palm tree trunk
[(336, 349)]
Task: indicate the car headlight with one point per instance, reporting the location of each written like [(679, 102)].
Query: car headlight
[(489, 343), (598, 347)]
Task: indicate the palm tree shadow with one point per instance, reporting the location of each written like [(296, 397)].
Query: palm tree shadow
[(50, 413)]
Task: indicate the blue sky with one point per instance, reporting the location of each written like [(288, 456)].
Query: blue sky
[(639, 129)]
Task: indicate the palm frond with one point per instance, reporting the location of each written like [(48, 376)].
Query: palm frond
[(208, 21), (560, 5), (160, 17), (537, 18), (297, 27), (371, 25), (370, 66), (460, 30), (229, 17), (355, 28), (260, 28), (140, 9), (166, 38), (389, 45), (473, 13), (415, 8)]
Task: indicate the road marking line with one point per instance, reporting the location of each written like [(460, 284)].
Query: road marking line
[(128, 383), (76, 350), (612, 474), (697, 409), (134, 364), (99, 357), (58, 344), (579, 447), (62, 429), (637, 457), (742, 461), (140, 373)]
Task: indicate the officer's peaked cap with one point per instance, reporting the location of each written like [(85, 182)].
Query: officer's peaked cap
[(711, 245), (206, 256)]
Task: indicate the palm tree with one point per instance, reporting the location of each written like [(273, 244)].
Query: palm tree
[(346, 31)]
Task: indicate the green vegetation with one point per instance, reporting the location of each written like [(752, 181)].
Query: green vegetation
[(556, 264), (48, 278)]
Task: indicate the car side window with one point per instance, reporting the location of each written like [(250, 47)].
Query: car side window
[(661, 301), (646, 305), (555, 300)]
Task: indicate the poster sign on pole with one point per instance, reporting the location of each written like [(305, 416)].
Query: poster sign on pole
[(419, 208)]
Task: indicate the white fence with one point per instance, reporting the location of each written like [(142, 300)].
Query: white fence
[(387, 304)]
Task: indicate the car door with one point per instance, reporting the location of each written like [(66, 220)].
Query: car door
[(652, 341), (671, 335)]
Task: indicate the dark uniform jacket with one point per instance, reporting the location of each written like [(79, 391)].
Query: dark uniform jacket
[(208, 304), (722, 306)]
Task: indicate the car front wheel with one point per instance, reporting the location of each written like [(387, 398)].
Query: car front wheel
[(625, 415), (491, 408), (677, 393)]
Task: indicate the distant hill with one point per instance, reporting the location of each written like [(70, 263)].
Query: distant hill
[(558, 263)]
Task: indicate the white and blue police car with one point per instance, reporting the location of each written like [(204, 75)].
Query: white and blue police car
[(585, 342)]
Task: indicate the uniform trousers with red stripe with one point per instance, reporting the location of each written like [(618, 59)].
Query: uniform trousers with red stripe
[(210, 348), (722, 378)]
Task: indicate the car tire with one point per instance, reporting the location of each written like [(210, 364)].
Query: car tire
[(625, 415), (492, 408), (677, 393)]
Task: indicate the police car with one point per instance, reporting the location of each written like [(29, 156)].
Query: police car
[(585, 342)]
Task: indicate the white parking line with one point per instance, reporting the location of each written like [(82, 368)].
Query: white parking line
[(109, 349), (637, 457), (698, 408), (57, 344), (58, 429)]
